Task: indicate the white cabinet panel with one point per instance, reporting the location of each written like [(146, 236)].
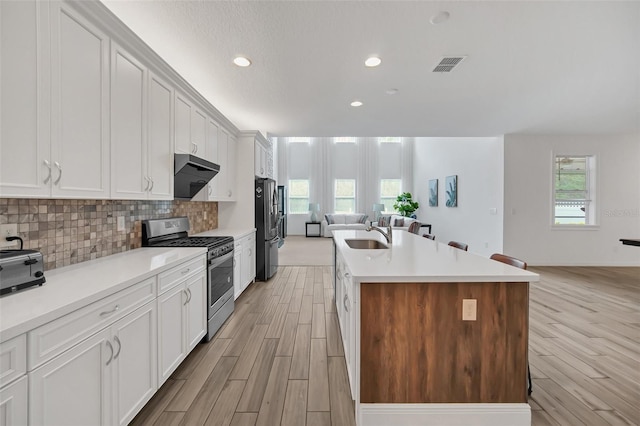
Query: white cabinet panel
[(24, 99), (183, 125), (134, 362), (80, 106), (74, 388), (13, 403), (237, 268), (171, 325), (160, 141), (196, 310), (232, 167), (198, 132), (129, 177), (13, 359)]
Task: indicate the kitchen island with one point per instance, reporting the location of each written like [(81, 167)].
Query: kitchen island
[(411, 357)]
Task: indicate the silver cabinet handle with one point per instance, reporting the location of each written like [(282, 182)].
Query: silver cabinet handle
[(344, 302), (111, 349), (195, 148), (115, 339), (152, 183), (187, 295), (46, 163), (107, 313), (186, 271), (210, 190), (146, 188), (230, 193), (60, 170)]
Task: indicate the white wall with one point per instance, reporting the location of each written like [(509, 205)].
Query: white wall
[(527, 224), (478, 162)]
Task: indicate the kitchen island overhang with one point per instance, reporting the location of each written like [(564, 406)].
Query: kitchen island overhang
[(414, 360)]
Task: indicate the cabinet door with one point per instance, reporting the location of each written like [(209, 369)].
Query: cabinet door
[(24, 99), (237, 272), (252, 257), (259, 160), (199, 133), (196, 310), (182, 126), (80, 106), (75, 387), (220, 181), (13, 403), (171, 326), (160, 140), (129, 175), (231, 169), (248, 262), (134, 362)]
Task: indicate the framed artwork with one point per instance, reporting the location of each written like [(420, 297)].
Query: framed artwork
[(451, 188), (433, 193)]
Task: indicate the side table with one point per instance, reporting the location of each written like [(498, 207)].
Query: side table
[(312, 229)]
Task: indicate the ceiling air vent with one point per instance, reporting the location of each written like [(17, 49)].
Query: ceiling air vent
[(448, 63)]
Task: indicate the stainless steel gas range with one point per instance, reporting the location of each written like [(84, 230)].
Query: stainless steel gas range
[(173, 232)]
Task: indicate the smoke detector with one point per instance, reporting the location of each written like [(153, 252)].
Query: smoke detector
[(448, 63)]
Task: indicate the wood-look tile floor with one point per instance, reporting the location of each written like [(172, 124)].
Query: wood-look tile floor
[(279, 361)]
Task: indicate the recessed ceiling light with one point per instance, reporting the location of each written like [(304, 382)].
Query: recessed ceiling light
[(241, 61), (356, 103), (440, 17), (373, 61), (391, 91)]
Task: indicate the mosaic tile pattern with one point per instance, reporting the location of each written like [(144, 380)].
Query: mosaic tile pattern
[(73, 231)]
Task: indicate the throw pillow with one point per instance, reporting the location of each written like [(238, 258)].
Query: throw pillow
[(384, 220), (398, 222), (363, 218), (329, 219)]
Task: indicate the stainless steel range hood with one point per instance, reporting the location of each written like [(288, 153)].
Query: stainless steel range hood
[(191, 175)]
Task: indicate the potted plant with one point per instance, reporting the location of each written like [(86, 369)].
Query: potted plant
[(405, 205)]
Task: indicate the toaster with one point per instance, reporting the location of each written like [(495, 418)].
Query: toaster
[(20, 269)]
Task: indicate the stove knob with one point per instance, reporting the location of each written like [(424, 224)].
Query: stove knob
[(38, 274)]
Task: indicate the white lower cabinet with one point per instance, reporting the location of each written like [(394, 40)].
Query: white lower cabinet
[(106, 379), (13, 403), (244, 263), (182, 318), (346, 309)]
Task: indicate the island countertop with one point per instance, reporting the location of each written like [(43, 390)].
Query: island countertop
[(412, 258)]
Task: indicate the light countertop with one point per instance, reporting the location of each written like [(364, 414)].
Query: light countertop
[(72, 287), (236, 233), (412, 258)]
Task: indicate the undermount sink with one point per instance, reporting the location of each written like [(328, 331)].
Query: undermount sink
[(365, 244)]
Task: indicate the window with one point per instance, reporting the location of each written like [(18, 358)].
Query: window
[(389, 191), (389, 140), (574, 190), (299, 196), (298, 140), (345, 201), (344, 139)]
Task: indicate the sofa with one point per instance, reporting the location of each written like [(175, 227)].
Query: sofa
[(396, 221), (342, 221)]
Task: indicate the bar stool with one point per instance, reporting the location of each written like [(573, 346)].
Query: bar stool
[(429, 236), (461, 246)]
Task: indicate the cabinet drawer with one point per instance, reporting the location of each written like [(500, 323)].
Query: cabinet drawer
[(52, 339), (13, 359), (173, 276)]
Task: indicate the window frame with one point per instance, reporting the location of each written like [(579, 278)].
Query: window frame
[(307, 198), (591, 218), (336, 196), (345, 139)]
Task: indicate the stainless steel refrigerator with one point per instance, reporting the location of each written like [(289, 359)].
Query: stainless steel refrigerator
[(267, 219)]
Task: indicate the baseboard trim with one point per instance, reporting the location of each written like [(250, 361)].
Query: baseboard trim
[(444, 415)]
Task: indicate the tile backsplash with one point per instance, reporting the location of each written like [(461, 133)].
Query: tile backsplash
[(73, 231)]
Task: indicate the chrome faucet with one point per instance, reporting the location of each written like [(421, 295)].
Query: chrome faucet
[(388, 235)]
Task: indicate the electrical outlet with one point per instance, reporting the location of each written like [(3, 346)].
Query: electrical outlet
[(8, 230), (205, 215), (469, 309), (120, 224)]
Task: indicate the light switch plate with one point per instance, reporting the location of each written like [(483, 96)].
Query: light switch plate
[(8, 230), (469, 309)]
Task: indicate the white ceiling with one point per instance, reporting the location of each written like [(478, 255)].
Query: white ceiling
[(532, 67)]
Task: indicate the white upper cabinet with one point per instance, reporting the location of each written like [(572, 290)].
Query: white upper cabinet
[(160, 141), (190, 127), (225, 181), (129, 175), (24, 98), (79, 106), (141, 136)]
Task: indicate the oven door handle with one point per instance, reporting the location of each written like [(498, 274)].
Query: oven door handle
[(220, 260)]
